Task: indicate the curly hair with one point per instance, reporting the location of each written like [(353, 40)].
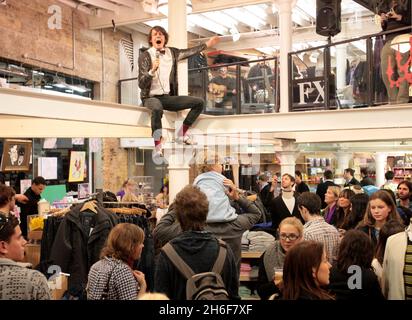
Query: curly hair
[(355, 249), (192, 207)]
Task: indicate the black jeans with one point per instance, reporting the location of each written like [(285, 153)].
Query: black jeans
[(173, 103)]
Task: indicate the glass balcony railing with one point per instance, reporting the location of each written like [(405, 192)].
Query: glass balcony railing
[(341, 75), (245, 87), (351, 73)]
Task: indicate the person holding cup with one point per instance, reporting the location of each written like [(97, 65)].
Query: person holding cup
[(271, 262)]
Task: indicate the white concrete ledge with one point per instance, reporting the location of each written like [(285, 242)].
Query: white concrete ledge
[(29, 104), (386, 117)]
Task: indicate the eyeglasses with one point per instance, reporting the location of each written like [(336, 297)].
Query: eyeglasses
[(3, 221), (291, 237)]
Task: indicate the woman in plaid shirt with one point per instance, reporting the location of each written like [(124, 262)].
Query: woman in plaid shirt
[(112, 277)]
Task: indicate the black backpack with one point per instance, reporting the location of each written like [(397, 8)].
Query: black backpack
[(205, 285)]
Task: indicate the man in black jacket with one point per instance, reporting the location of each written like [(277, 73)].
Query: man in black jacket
[(300, 185), (197, 247), (285, 204), (366, 180), (30, 207), (323, 186), (159, 86), (350, 180)]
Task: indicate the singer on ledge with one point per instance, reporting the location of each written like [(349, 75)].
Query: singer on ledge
[(159, 87)]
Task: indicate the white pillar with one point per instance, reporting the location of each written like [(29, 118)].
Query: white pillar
[(178, 158), (341, 56), (177, 20), (380, 165), (287, 162), (285, 29), (343, 161)]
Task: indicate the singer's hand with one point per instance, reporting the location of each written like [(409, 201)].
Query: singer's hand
[(155, 65), (212, 41)]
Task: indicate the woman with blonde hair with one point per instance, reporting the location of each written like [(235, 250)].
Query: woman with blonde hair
[(128, 187), (331, 199), (113, 277), (272, 260)]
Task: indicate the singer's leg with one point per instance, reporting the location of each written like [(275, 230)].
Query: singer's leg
[(177, 103), (156, 107)]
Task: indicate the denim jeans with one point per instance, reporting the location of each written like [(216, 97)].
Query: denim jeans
[(173, 103)]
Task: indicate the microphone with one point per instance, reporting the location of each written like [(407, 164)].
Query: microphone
[(157, 54)]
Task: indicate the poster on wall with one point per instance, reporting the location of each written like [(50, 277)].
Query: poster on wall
[(48, 167), (83, 190), (77, 166), (16, 155), (24, 185)]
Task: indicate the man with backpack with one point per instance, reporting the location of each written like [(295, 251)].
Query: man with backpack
[(195, 265)]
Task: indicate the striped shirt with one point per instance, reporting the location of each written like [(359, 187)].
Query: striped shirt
[(321, 231), (407, 271)]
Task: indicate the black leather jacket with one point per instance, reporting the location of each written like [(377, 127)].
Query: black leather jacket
[(145, 64)]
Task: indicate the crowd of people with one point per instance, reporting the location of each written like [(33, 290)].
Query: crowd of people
[(322, 238), (336, 252)]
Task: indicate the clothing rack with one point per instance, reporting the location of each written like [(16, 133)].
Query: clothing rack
[(127, 208)]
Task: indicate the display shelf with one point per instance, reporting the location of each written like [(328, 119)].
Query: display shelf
[(251, 254), (244, 278)]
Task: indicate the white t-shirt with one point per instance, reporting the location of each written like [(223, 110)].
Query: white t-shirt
[(290, 203), (162, 73)]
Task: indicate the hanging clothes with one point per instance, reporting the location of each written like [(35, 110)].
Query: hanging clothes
[(228, 171), (78, 243), (146, 262)]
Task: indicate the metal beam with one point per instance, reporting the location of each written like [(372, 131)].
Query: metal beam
[(127, 3), (78, 6), (268, 38), (103, 4), (127, 16)]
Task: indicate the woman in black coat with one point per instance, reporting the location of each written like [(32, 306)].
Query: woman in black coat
[(352, 277)]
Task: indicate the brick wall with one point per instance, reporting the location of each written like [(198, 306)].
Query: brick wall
[(114, 164), (24, 30)]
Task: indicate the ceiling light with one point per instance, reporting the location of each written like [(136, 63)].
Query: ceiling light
[(207, 24), (164, 8)]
